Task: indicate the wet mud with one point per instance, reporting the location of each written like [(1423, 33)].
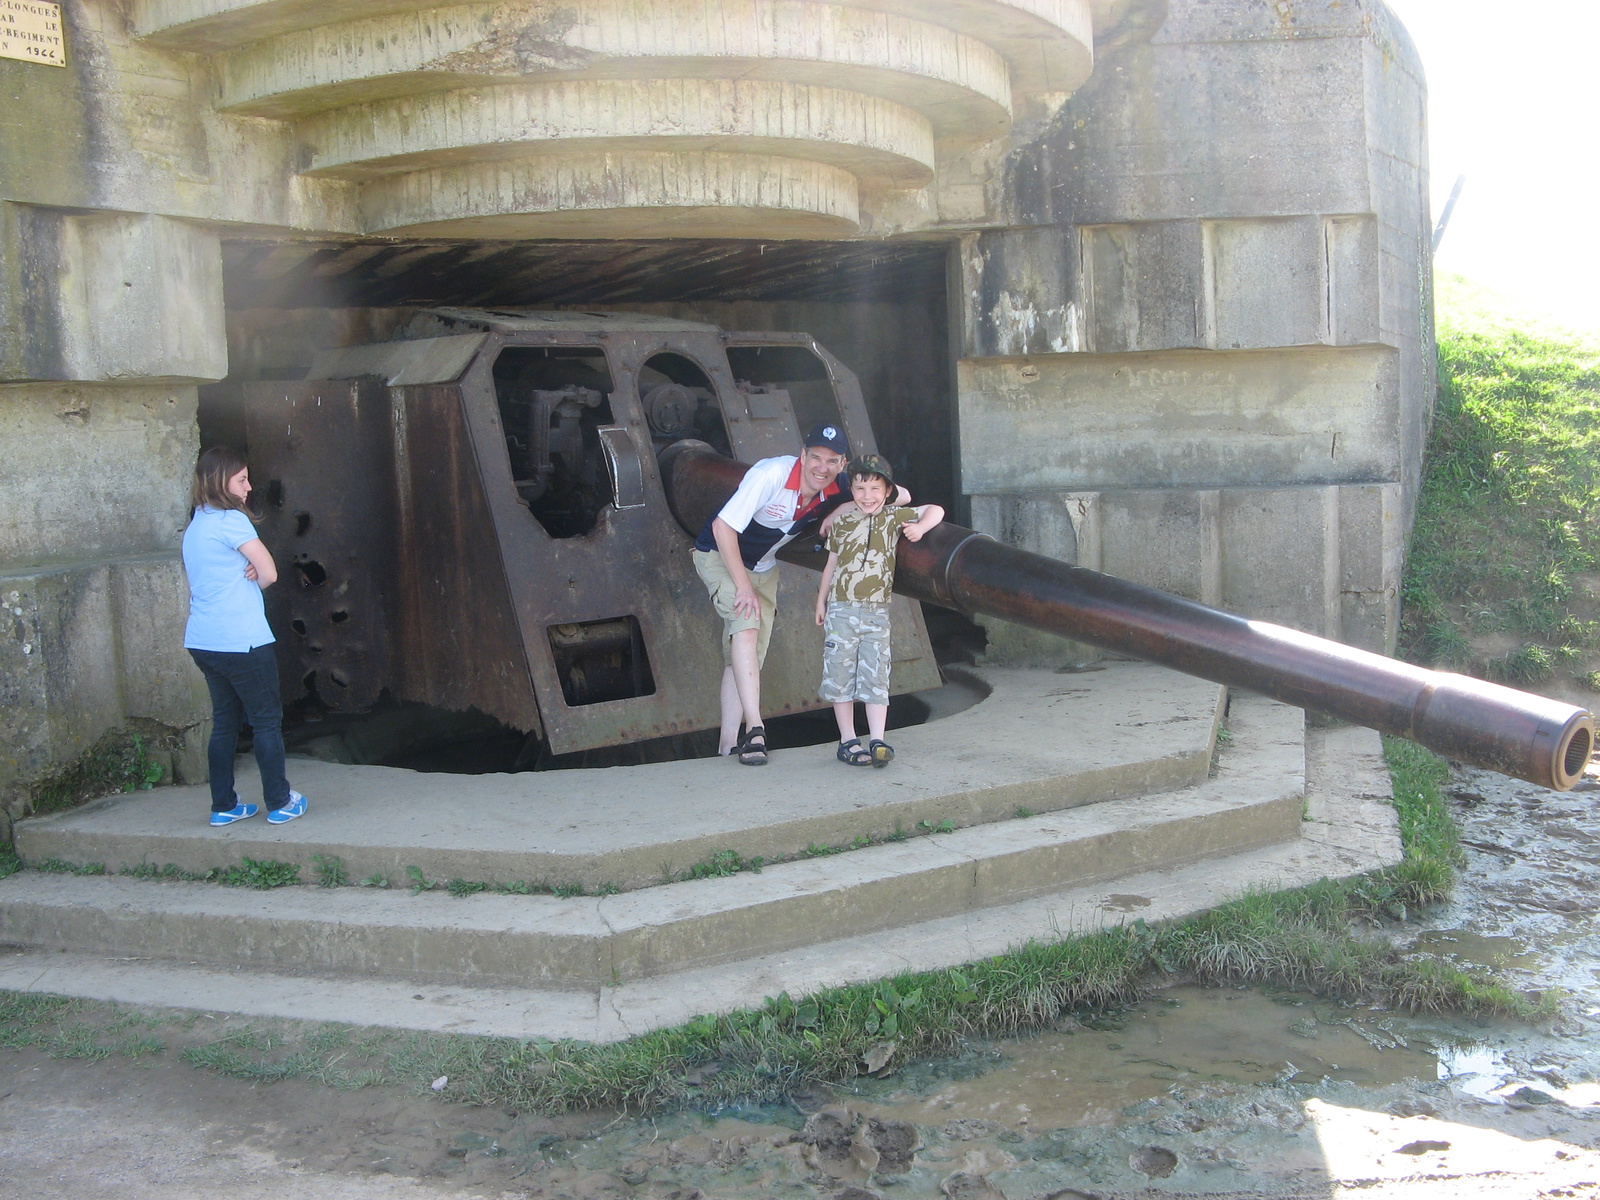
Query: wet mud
[(1194, 1092)]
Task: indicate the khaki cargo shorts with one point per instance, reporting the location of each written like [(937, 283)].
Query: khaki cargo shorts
[(713, 573), (855, 653)]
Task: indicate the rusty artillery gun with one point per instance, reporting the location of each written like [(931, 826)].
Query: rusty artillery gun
[(496, 511)]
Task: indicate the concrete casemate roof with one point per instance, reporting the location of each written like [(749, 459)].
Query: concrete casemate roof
[(531, 320)]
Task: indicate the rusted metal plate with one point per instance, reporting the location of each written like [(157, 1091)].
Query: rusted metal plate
[(323, 466), (458, 643)]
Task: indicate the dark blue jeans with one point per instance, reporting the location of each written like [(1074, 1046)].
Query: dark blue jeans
[(244, 687)]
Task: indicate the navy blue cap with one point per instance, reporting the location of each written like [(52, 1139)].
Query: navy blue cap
[(830, 436)]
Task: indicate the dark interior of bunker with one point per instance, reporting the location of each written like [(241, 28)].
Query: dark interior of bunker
[(880, 310)]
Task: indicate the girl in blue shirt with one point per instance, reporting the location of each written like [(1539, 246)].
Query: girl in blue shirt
[(229, 639)]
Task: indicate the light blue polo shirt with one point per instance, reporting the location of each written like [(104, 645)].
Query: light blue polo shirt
[(226, 612)]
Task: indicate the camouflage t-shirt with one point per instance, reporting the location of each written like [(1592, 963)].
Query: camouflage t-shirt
[(865, 546)]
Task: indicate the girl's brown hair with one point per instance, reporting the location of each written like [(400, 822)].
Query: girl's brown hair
[(211, 474)]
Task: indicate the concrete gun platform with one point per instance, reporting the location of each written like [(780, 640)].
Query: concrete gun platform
[(608, 966), (1039, 741)]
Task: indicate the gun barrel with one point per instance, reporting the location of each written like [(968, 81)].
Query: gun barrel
[(1515, 733)]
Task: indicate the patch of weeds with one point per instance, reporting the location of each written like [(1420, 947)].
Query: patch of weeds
[(518, 888), (138, 1046), (896, 835), (119, 762), (1528, 664), (607, 889), (720, 864), (10, 864), (30, 1008), (1023, 812), (77, 1041), (1590, 681), (328, 1037), (567, 891), (822, 850), (375, 881), (171, 873), (465, 887), (57, 866), (944, 826), (329, 870), (262, 874), (419, 881)]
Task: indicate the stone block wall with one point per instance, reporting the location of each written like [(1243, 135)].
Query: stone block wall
[(1200, 353)]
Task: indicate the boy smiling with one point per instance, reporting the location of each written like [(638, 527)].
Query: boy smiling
[(853, 605)]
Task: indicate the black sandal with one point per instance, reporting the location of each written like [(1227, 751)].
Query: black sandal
[(881, 751), (750, 754), (858, 756)]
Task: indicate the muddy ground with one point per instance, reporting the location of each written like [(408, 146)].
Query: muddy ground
[(1194, 1092)]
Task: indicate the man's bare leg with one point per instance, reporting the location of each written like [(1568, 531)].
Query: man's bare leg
[(732, 713), (746, 671)]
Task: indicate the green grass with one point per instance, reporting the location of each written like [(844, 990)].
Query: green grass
[(1508, 515), (119, 762)]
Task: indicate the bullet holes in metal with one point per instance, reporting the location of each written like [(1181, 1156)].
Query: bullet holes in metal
[(338, 616), (298, 626), (273, 493), (302, 524), (312, 573), (598, 661)]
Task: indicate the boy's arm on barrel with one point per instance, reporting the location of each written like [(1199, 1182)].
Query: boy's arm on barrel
[(928, 515)]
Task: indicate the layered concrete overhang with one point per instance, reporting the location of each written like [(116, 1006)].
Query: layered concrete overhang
[(770, 118)]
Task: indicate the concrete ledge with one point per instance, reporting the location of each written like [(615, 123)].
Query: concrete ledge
[(576, 942), (876, 140), (1352, 828), (1040, 740)]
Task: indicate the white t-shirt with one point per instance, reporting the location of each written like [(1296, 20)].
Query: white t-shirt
[(765, 508)]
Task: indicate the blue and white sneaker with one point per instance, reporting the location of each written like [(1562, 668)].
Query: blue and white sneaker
[(239, 812), (295, 808)]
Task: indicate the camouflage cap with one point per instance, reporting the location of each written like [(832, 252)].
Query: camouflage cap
[(872, 464)]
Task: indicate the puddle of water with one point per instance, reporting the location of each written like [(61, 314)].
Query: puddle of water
[(1463, 945), (1187, 1036), (1476, 1070)]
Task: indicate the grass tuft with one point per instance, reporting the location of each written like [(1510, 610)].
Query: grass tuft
[(329, 870), (119, 762)]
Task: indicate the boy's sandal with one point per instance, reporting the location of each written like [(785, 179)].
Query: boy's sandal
[(854, 753), (881, 752), (753, 753)]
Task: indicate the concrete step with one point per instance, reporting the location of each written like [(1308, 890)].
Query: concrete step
[(1254, 800), (1350, 827), (1039, 740)]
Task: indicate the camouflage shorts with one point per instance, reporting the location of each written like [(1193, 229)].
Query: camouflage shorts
[(855, 654)]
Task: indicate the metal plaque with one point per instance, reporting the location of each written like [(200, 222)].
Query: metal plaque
[(30, 30)]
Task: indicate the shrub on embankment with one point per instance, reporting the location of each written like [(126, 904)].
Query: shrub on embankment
[(1503, 577)]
